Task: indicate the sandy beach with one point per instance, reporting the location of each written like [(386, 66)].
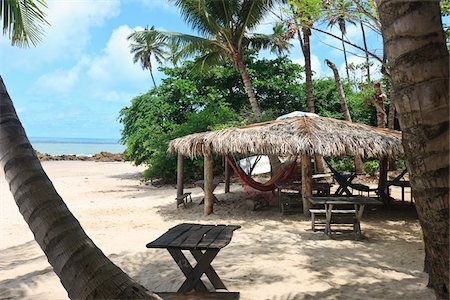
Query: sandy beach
[(272, 256)]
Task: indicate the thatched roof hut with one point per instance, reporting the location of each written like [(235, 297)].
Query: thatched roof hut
[(302, 135), (293, 136)]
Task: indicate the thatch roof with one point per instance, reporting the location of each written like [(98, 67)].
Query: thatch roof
[(293, 136)]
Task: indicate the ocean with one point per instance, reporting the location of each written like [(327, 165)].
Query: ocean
[(77, 146)]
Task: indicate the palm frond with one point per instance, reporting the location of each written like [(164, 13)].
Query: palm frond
[(23, 21), (277, 42), (204, 62), (199, 15), (252, 12)]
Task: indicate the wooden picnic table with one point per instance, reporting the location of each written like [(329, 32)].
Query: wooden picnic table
[(201, 183), (321, 188), (204, 242), (359, 202)]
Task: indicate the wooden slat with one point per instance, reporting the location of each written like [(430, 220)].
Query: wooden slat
[(224, 238), (344, 200), (195, 237), (210, 237), (169, 236), (196, 296), (179, 241)]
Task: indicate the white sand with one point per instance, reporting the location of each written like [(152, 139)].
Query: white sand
[(270, 257)]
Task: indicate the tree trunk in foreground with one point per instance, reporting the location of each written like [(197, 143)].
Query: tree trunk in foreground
[(239, 63), (420, 75), (84, 271), (344, 108)]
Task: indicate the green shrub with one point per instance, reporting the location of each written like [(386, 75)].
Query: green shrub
[(344, 164), (371, 167)]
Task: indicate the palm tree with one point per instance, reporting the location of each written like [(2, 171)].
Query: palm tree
[(225, 34), (144, 46), (340, 14), (419, 62), (83, 269)]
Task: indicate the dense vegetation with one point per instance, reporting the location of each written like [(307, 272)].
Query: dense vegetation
[(187, 102)]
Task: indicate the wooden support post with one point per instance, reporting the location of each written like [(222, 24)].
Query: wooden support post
[(227, 177), (306, 183), (383, 174), (208, 182), (180, 177)]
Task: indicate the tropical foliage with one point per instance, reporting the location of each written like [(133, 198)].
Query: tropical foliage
[(225, 33), (185, 103)]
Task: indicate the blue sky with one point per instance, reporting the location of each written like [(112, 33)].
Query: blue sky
[(74, 83)]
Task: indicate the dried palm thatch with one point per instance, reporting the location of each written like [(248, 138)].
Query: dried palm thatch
[(294, 136)]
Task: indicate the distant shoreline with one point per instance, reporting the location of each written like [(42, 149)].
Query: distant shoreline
[(103, 156), (57, 146)]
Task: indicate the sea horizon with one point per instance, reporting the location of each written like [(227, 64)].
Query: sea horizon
[(76, 146)]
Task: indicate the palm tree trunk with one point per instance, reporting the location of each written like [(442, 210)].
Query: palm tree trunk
[(367, 54), (419, 62), (83, 269), (239, 63), (153, 78), (308, 70), (345, 57), (306, 48), (344, 108)]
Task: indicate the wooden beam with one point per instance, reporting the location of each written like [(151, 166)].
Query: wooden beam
[(306, 183), (180, 177), (208, 181), (227, 177)]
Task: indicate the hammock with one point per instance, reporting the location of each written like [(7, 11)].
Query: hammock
[(280, 176)]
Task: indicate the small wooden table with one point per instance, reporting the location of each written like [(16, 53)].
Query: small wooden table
[(359, 202), (201, 183), (204, 242)]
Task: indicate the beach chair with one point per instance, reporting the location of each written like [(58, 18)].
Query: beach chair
[(345, 182)]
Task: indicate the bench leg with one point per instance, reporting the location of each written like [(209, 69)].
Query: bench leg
[(359, 209), (193, 278), (328, 209), (313, 222), (187, 269), (210, 273)]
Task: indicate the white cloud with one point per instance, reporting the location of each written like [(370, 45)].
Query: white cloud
[(60, 80), (69, 33), (316, 65), (115, 63), (71, 22)]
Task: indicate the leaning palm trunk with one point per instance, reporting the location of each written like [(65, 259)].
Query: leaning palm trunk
[(345, 57), (344, 108), (83, 269), (419, 67), (366, 53), (239, 63)]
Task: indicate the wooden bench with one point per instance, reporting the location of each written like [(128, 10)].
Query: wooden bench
[(199, 295), (183, 199), (315, 211)]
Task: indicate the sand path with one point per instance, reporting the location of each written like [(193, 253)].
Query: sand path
[(270, 257)]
